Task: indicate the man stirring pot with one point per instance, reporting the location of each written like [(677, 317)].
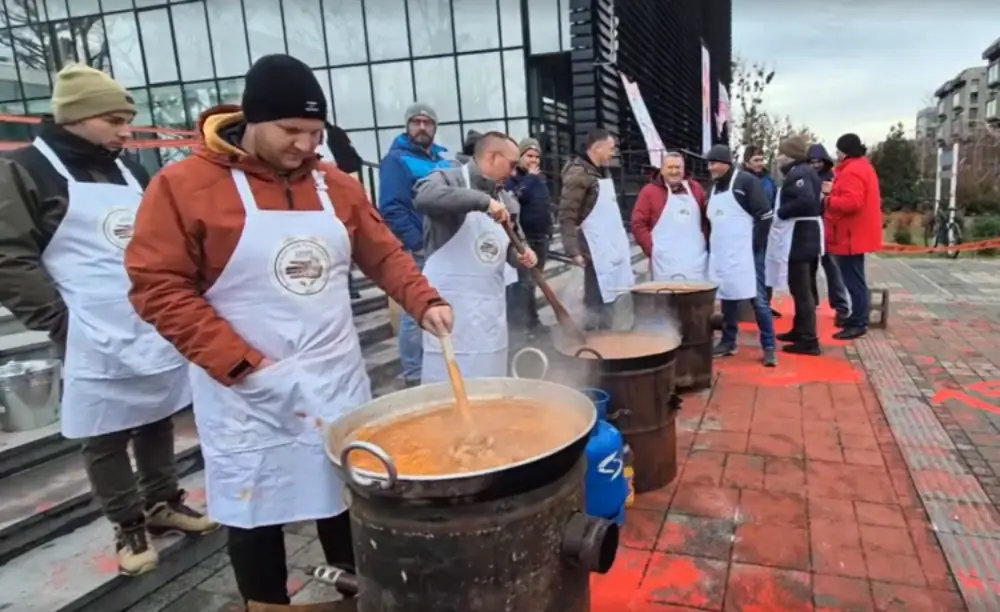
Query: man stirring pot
[(240, 258)]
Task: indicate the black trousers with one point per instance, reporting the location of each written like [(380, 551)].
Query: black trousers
[(599, 315), (802, 286), (258, 557), (522, 307)]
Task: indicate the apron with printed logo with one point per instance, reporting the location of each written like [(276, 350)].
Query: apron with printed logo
[(285, 291), (679, 251), (471, 272), (120, 373), (730, 258), (610, 251)]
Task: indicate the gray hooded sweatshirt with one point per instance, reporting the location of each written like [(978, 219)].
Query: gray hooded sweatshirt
[(445, 200)]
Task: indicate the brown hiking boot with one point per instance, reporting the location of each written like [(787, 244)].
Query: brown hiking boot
[(175, 517), (135, 553)]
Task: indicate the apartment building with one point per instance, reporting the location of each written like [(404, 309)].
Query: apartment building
[(992, 57), (961, 106), (927, 124)]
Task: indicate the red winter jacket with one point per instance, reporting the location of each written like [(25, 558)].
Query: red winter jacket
[(853, 216), (651, 203)]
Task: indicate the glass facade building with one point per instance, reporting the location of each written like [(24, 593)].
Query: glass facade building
[(467, 58)]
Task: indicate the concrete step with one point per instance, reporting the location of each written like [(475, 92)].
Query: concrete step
[(8, 324), (26, 345), (52, 499)]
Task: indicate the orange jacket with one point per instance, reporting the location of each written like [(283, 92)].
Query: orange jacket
[(191, 219)]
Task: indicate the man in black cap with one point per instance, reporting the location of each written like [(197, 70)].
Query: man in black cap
[(740, 217), (240, 259)]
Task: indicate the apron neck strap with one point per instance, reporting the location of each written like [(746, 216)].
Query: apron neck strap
[(465, 176), (250, 202), (732, 181), (322, 190), (130, 179), (47, 152)]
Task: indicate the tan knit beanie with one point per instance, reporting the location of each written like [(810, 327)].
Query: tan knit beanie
[(796, 147), (82, 92), (528, 144)]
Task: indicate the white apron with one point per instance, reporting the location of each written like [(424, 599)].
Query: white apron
[(120, 373), (679, 251), (779, 247), (285, 292), (610, 251), (471, 272), (730, 258)]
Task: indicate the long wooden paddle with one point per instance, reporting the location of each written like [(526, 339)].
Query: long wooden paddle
[(565, 321)]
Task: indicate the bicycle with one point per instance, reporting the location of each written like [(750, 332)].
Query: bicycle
[(944, 230)]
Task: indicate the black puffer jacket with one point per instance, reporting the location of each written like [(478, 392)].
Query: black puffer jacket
[(800, 197)]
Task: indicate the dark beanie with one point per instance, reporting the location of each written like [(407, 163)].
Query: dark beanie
[(720, 153), (850, 145), (282, 87)]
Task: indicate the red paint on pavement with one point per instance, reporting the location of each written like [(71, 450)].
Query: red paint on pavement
[(791, 495), (951, 394)]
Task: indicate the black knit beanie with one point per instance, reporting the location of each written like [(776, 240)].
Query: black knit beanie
[(282, 87), (850, 145)]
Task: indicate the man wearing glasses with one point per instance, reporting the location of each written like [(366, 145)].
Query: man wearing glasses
[(468, 253)]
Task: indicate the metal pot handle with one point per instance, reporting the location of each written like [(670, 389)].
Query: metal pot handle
[(369, 482), (529, 350), (587, 349), (678, 276)]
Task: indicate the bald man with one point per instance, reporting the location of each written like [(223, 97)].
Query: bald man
[(468, 253)]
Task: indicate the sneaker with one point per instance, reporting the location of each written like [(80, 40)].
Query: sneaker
[(803, 348), (788, 336), (775, 314), (850, 333), (723, 350), (175, 517), (770, 359), (409, 384), (840, 321), (135, 553)]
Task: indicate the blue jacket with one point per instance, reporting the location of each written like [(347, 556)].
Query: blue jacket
[(405, 164), (770, 187), (532, 193)]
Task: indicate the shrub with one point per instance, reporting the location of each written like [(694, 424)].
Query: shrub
[(902, 235), (985, 227)]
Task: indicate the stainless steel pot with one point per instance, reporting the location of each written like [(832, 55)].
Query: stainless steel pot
[(341, 444), (29, 394)]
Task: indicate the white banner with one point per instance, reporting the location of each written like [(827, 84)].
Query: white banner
[(706, 100), (654, 146), (722, 115)]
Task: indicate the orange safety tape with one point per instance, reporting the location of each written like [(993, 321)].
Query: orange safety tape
[(912, 249), (140, 129), (131, 144)]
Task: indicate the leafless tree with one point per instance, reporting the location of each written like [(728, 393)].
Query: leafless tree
[(48, 46), (752, 123)]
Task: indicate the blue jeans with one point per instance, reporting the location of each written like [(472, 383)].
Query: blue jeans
[(852, 269), (761, 308), (411, 342), (836, 293)]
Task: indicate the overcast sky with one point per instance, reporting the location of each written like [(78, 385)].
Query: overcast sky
[(861, 66)]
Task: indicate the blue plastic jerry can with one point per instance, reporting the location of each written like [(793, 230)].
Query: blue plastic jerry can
[(606, 485)]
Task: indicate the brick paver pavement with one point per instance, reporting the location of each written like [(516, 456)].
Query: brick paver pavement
[(866, 479)]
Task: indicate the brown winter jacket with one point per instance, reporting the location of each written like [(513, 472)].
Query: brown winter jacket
[(190, 223), (579, 194), (33, 200)]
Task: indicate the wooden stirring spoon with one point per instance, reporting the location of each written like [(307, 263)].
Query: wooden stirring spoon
[(565, 321), (473, 441), (457, 384)]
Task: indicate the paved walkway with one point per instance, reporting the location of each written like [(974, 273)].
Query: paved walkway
[(867, 479), (863, 480)]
